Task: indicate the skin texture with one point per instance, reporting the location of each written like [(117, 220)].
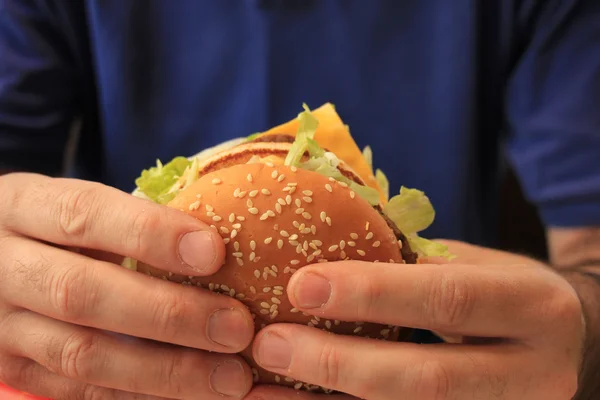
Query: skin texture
[(58, 300), (73, 325), (498, 312)]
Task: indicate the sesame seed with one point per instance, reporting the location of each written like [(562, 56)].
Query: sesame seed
[(213, 227), (333, 248), (252, 256), (194, 206), (210, 214), (288, 379), (358, 329), (369, 236), (269, 164), (216, 181), (249, 203), (328, 220), (281, 178), (298, 203), (328, 324), (273, 273), (343, 255), (253, 210), (294, 310), (279, 244), (275, 300), (209, 208), (306, 215), (298, 386), (293, 184), (239, 261), (224, 230), (278, 208), (286, 270), (233, 233), (240, 296), (367, 226), (299, 211), (216, 218), (281, 201), (253, 193), (294, 262), (352, 194), (231, 217), (266, 192), (268, 240), (237, 226), (343, 184), (307, 199), (302, 226), (299, 249), (225, 288), (264, 312), (199, 196), (266, 305), (242, 194), (288, 199), (342, 244), (240, 218), (236, 192), (278, 292), (293, 168), (266, 289), (400, 244), (360, 252), (237, 254), (252, 288), (376, 243), (284, 234), (277, 378), (328, 187), (310, 258), (305, 245), (294, 237), (385, 332), (274, 174), (354, 236), (249, 177), (331, 179), (323, 215), (226, 240), (287, 189)]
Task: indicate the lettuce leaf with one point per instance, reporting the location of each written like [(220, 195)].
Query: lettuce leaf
[(412, 213), (306, 131), (368, 156), (156, 182), (383, 183)]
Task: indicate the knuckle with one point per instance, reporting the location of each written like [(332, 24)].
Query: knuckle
[(68, 291), (169, 314), (329, 365), (431, 380), (173, 369), (78, 356), (450, 302), (75, 208), (91, 392), (371, 296), (143, 223)]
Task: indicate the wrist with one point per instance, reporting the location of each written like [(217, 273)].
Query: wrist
[(585, 279)]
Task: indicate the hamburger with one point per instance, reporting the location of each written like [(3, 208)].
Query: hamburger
[(298, 194)]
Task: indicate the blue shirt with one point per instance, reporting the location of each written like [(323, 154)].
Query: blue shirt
[(444, 91)]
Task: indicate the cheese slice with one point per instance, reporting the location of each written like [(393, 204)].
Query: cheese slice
[(334, 135)]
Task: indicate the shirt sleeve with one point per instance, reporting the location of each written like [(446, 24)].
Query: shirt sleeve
[(37, 88), (553, 112)]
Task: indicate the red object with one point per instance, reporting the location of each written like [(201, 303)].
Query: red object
[(8, 393)]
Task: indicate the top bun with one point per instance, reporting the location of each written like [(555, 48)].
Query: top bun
[(275, 220)]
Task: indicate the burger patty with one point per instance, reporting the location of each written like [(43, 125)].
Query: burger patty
[(274, 138), (407, 254)]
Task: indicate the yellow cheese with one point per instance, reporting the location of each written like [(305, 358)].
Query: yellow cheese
[(333, 135)]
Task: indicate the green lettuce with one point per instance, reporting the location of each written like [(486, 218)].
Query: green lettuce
[(307, 126), (383, 183), (156, 182), (412, 212)]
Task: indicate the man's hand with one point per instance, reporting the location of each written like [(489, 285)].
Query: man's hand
[(517, 328), (59, 309)]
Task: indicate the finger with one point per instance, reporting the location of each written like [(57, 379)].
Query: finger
[(140, 366), (463, 299), (267, 392), (28, 376), (80, 290), (84, 214), (379, 370)]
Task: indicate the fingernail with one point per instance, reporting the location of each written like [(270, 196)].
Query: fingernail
[(229, 327), (312, 291), (229, 379), (274, 351), (198, 250)]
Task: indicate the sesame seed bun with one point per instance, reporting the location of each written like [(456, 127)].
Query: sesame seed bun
[(275, 220)]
